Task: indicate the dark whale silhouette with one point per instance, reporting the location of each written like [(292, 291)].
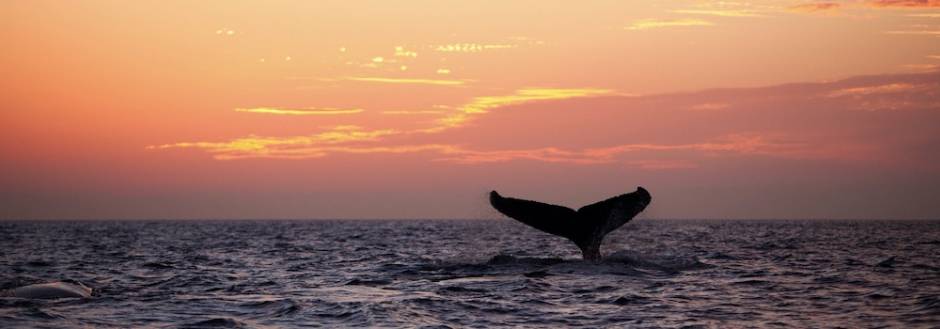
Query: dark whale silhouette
[(586, 227)]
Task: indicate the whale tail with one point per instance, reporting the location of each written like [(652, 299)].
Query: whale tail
[(586, 227)]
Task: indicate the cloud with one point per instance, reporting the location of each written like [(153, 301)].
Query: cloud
[(656, 165), (319, 145), (906, 3), (864, 121), (740, 144), (652, 23), (260, 146), (916, 32), (308, 148), (313, 152), (471, 47), (400, 51), (815, 7), (721, 12), (481, 105), (409, 81), (923, 67), (412, 112), (545, 154), (888, 96), (753, 144), (869, 90), (709, 107), (299, 111)]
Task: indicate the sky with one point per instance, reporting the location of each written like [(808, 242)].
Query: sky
[(417, 109)]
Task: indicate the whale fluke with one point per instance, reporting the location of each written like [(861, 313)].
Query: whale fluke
[(50, 290), (586, 227)]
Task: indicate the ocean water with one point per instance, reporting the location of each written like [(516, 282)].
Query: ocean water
[(474, 273)]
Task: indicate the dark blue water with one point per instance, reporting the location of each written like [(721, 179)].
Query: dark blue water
[(488, 273)]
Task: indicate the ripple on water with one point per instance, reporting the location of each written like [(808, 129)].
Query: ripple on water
[(216, 323)]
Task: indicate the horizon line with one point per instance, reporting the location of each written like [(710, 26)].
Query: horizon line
[(437, 219)]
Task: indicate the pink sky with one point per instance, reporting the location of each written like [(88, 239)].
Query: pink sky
[(778, 109)]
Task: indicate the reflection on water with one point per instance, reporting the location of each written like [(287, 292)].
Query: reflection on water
[(474, 273)]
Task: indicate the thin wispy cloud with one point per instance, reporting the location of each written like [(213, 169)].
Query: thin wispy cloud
[(869, 90), (915, 32), (923, 67), (303, 147), (753, 144), (738, 144), (413, 112), (720, 12), (481, 105), (409, 81), (710, 107), (471, 47), (401, 51), (299, 111), (314, 152), (906, 3), (659, 164), (815, 7), (264, 145), (652, 23)]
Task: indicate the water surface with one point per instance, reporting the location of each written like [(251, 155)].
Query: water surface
[(474, 273)]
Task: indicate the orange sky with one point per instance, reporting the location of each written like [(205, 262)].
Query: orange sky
[(416, 109)]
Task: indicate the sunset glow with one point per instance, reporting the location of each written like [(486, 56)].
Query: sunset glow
[(347, 109)]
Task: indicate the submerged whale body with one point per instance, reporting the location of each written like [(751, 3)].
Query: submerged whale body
[(51, 290), (586, 227)]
